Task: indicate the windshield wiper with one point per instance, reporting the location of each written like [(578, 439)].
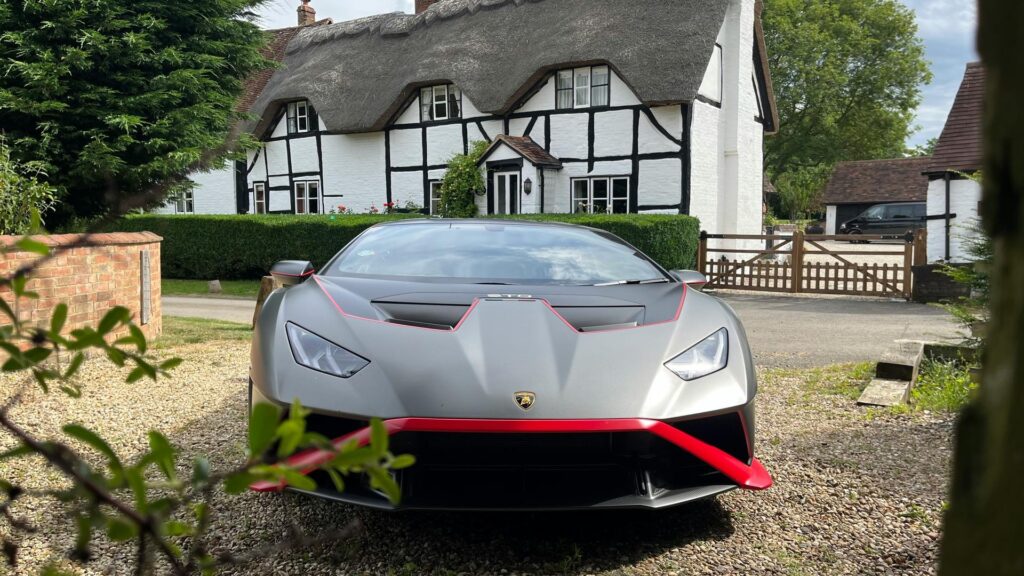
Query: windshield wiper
[(624, 282)]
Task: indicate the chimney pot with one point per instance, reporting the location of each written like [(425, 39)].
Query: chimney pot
[(307, 14), (422, 5)]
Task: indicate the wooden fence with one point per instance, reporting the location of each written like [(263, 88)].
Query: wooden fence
[(784, 264)]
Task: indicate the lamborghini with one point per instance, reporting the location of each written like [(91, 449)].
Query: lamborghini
[(526, 366)]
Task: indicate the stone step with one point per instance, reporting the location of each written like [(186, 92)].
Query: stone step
[(882, 392), (901, 361)]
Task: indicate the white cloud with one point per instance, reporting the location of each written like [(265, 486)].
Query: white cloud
[(281, 13)]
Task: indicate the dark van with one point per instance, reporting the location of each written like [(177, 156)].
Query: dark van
[(896, 218)]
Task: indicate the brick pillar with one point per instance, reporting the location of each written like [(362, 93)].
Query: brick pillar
[(422, 5)]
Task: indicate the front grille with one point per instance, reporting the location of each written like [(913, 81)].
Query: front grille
[(541, 470)]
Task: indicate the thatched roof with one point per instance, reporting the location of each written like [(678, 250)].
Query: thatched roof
[(359, 74)]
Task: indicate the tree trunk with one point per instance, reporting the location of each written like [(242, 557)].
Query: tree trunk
[(984, 531)]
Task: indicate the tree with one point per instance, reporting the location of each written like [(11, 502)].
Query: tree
[(109, 98), (926, 149), (21, 194), (461, 183), (800, 191), (983, 529), (847, 76)]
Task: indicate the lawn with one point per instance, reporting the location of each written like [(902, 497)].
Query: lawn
[(231, 288), (179, 332)]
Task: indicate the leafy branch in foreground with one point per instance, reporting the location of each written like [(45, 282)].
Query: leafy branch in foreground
[(154, 501)]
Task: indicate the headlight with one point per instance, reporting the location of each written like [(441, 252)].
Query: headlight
[(707, 357), (314, 352)]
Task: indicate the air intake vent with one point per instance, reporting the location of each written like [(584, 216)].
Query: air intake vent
[(430, 316), (601, 318)]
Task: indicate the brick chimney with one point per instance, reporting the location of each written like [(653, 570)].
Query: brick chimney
[(307, 14), (422, 5)]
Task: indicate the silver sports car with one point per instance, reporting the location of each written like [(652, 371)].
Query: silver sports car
[(525, 365)]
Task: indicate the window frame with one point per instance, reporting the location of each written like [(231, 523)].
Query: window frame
[(590, 89), (307, 197), (610, 199), (184, 202), (257, 187), (435, 185), (451, 100), (300, 112)]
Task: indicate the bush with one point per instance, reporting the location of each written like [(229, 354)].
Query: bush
[(461, 183), (943, 386), (22, 194), (244, 247)]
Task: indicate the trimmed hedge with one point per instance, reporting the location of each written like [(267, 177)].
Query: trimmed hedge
[(245, 247)]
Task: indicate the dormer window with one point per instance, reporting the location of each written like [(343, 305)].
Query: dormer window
[(440, 103), (301, 117), (582, 88)]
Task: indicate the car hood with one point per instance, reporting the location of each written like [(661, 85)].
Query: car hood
[(449, 351)]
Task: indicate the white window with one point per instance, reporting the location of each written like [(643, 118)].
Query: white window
[(184, 203), (259, 192), (435, 198), (600, 195), (440, 103), (583, 88), (300, 117), (307, 197)]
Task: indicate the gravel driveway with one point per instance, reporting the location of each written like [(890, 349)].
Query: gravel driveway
[(852, 496)]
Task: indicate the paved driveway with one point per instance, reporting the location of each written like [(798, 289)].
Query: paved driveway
[(784, 331)]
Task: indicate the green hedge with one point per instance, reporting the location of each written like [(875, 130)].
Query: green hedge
[(243, 247)]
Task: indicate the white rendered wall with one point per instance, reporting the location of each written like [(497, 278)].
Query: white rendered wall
[(407, 147), (964, 196), (443, 142), (613, 133), (705, 166), (354, 167)]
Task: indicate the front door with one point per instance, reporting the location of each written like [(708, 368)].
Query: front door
[(506, 192)]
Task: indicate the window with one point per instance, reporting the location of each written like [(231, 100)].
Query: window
[(259, 192), (307, 197), (435, 198), (184, 203), (583, 87), (440, 103), (600, 196), (301, 117)]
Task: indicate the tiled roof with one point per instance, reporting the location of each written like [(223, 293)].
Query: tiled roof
[(525, 146), (274, 51), (875, 181), (960, 146)]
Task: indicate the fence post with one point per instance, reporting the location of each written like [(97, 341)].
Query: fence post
[(798, 260), (921, 247), (909, 250), (702, 252)]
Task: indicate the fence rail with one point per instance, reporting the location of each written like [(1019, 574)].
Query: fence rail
[(782, 265)]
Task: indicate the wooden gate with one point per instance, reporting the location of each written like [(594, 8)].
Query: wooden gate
[(803, 264)]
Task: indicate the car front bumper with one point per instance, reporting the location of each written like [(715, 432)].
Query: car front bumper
[(465, 464)]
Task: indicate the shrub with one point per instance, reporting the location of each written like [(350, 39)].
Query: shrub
[(22, 194), (943, 386), (240, 247), (461, 183)]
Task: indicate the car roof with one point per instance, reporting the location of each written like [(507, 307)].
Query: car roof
[(491, 221)]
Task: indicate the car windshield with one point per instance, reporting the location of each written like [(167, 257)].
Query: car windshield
[(484, 253)]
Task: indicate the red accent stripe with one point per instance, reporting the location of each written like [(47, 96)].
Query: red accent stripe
[(472, 307), (752, 477), (303, 275)]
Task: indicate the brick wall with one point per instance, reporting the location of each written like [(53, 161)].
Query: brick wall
[(91, 279)]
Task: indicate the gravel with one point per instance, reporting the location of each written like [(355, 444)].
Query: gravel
[(856, 492)]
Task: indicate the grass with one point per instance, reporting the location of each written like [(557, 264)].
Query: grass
[(184, 331), (847, 380), (236, 288), (943, 386)]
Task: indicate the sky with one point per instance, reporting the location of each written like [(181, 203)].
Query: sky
[(946, 26)]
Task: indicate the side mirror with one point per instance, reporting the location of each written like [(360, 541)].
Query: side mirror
[(691, 278), (292, 272)]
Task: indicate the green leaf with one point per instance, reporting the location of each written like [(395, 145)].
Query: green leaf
[(378, 437), (262, 428), (339, 484), (74, 365), (116, 315), (383, 481), (29, 245), (92, 439), (15, 453), (290, 433), (171, 364), (120, 530), (403, 461), (59, 318), (178, 528), (200, 471), (140, 338), (138, 373), (297, 480), (163, 454), (238, 483), (133, 476)]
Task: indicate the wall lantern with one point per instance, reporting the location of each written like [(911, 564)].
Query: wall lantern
[(528, 186)]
